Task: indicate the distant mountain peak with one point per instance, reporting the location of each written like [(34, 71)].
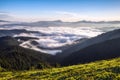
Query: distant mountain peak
[(58, 21)]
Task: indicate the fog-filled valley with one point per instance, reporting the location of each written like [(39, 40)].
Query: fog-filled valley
[(54, 37), (59, 39)]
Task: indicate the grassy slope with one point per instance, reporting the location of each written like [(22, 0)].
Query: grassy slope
[(100, 70)]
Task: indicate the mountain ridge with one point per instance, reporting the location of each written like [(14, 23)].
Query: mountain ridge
[(14, 57), (56, 23)]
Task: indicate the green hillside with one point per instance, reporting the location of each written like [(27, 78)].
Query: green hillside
[(99, 70)]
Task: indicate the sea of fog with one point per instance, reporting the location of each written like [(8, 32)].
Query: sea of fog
[(56, 36)]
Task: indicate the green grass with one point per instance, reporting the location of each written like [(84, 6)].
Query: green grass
[(99, 70)]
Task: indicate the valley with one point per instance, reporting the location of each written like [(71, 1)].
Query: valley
[(59, 52)]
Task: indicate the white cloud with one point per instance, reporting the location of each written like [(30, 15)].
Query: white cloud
[(60, 15), (73, 16), (4, 16), (67, 13), (7, 16)]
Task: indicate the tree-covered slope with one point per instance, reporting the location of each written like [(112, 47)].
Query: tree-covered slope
[(100, 70), (100, 51), (14, 57), (111, 35)]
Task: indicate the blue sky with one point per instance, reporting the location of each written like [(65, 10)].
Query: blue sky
[(66, 10)]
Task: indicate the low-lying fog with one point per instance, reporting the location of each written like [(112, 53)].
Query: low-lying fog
[(50, 38)]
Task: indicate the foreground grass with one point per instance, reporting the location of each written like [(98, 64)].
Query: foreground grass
[(100, 70)]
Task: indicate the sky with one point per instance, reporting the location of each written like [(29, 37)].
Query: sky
[(65, 10)]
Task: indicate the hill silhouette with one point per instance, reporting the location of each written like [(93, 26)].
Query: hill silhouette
[(12, 56)]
